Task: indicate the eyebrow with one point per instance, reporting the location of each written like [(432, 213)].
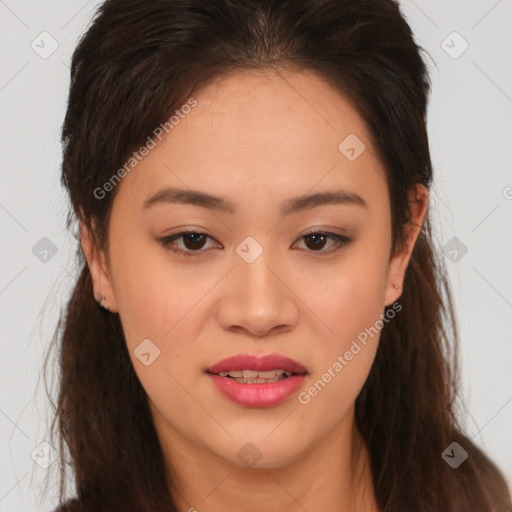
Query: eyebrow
[(204, 200)]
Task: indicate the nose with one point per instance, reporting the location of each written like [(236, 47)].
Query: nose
[(259, 299)]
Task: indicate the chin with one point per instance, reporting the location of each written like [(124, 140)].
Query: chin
[(258, 452)]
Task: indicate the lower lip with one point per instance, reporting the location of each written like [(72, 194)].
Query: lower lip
[(258, 395)]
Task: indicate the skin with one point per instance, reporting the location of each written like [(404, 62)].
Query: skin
[(257, 139)]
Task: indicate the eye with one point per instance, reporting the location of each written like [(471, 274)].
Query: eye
[(316, 241), (193, 242)]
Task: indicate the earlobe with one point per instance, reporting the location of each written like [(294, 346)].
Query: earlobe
[(418, 204), (101, 281), (395, 279)]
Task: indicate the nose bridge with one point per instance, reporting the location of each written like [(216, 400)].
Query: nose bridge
[(257, 300), (258, 284)]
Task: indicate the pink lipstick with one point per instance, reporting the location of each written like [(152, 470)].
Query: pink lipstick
[(257, 381)]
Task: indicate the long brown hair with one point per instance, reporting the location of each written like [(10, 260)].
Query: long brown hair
[(136, 64)]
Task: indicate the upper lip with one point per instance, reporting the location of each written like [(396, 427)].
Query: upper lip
[(257, 363)]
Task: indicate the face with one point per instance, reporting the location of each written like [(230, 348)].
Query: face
[(290, 258)]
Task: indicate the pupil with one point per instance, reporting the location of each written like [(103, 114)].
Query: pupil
[(319, 238), (195, 238)]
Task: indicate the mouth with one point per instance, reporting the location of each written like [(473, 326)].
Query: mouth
[(254, 377), (269, 367), (257, 381)]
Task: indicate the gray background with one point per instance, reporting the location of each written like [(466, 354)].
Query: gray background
[(470, 127)]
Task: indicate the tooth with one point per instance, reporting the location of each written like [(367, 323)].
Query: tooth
[(254, 377), (248, 374), (258, 381), (269, 374)]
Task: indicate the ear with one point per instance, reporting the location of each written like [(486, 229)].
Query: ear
[(418, 203), (101, 280)]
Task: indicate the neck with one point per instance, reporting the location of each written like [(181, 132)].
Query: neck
[(334, 475)]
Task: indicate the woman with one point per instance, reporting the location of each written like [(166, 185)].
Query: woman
[(261, 321)]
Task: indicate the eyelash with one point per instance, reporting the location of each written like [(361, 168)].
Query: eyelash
[(167, 242)]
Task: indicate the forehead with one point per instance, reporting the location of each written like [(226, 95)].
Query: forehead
[(285, 111), (263, 133)]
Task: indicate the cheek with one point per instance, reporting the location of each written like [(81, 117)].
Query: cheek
[(343, 359), (152, 294), (165, 305), (350, 351), (352, 306), (159, 309), (353, 299)]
